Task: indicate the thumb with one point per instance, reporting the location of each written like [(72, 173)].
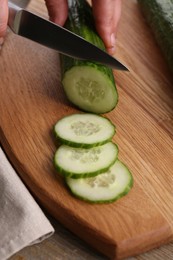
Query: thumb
[(3, 17), (58, 11)]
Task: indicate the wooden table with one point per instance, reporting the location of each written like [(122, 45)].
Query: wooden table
[(64, 245), (140, 99)]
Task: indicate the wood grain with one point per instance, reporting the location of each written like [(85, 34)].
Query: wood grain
[(32, 100)]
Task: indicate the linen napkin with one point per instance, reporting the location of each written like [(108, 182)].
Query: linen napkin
[(22, 222)]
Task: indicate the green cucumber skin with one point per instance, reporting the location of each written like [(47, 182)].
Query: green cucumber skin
[(104, 201), (124, 193), (83, 175), (79, 145), (81, 22), (159, 15), (82, 145)]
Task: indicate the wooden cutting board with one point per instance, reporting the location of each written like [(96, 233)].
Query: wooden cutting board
[(32, 100)]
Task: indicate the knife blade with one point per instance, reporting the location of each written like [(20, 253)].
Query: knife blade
[(49, 34)]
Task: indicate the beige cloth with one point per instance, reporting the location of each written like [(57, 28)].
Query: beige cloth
[(22, 222)]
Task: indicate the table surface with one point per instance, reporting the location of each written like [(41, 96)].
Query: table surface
[(65, 245)]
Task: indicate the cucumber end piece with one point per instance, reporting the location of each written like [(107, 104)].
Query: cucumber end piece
[(90, 89)]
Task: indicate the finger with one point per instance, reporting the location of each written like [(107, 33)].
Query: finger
[(58, 11), (117, 15), (3, 17), (107, 15)]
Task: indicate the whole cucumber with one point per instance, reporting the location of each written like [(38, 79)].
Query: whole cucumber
[(159, 15)]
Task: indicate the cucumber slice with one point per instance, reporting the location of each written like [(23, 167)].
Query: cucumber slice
[(82, 162), (106, 187), (84, 130)]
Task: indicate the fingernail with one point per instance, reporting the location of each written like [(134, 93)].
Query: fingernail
[(113, 40), (111, 49)]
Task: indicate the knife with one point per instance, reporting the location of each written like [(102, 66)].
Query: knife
[(47, 33)]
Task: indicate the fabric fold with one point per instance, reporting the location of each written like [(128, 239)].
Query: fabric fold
[(22, 222)]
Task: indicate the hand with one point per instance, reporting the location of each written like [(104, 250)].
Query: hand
[(3, 19), (106, 14)]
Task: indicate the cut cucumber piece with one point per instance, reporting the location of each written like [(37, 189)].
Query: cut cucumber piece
[(84, 130), (90, 89), (82, 162), (106, 187), (88, 85)]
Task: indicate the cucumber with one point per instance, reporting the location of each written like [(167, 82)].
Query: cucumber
[(159, 15), (84, 130), (88, 85), (106, 187), (81, 162)]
